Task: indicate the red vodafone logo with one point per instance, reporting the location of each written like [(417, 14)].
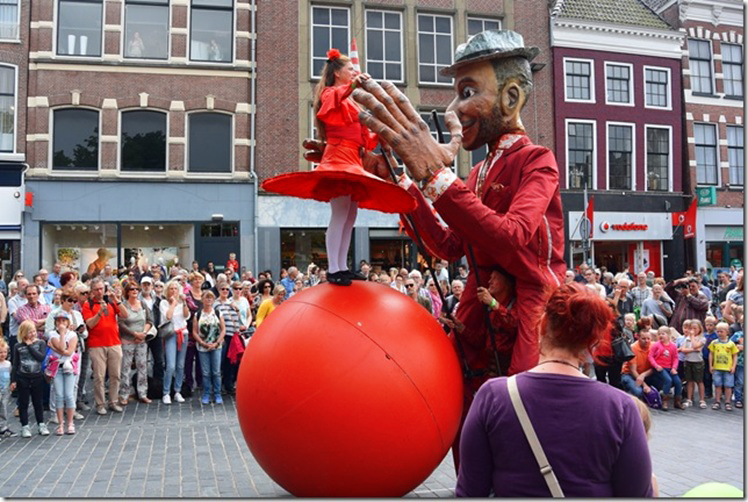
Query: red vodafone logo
[(623, 227)]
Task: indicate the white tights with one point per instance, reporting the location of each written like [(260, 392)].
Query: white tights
[(338, 236)]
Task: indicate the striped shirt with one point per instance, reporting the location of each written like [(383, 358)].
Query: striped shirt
[(230, 316)]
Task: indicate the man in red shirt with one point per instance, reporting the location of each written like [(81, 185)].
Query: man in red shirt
[(103, 343)]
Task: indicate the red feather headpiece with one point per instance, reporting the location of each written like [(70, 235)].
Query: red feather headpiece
[(332, 55)]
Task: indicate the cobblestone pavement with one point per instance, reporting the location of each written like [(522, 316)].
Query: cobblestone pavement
[(194, 450)]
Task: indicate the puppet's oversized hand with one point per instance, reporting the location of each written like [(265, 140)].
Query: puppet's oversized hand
[(314, 150), (391, 116)]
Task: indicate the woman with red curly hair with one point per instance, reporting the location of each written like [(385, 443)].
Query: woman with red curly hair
[(591, 433), (340, 178)]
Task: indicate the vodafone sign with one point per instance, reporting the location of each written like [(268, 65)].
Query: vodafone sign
[(619, 226), (623, 227)]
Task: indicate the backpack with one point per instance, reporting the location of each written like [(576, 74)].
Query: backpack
[(653, 399)]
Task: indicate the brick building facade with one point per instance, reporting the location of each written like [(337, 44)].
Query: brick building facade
[(713, 55), (138, 136), (618, 119), (405, 41)]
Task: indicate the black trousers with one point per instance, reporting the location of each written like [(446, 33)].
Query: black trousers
[(156, 346), (613, 372), (32, 387)]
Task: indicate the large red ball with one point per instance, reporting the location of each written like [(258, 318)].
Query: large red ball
[(349, 391)]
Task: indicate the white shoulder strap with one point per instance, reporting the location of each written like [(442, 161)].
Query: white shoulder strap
[(545, 468)]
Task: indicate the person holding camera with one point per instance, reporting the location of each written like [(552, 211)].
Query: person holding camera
[(690, 301), (105, 347)]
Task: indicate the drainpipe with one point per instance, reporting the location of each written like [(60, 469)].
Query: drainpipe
[(252, 146)]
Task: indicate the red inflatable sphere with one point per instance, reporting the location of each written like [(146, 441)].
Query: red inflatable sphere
[(349, 392)]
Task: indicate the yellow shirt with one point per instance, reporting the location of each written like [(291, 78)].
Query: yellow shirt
[(265, 308), (722, 354)]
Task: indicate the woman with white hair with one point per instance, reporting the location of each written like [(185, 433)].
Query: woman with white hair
[(173, 329)]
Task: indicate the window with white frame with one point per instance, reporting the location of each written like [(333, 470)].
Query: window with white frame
[(732, 69), (384, 45), (79, 27), (580, 141), (656, 88), (578, 80), (146, 29), (434, 48), (209, 142), (735, 154), (212, 30), (618, 84), (330, 29), (7, 109), (75, 140), (700, 65), (658, 158), (705, 136), (143, 146), (428, 118), (620, 156), (9, 19), (477, 24)]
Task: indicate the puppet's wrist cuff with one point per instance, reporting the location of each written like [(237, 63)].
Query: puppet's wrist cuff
[(404, 181), (439, 182)]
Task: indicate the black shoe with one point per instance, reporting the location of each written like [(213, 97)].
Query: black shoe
[(356, 276), (339, 278)]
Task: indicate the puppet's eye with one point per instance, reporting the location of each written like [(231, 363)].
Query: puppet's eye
[(468, 92)]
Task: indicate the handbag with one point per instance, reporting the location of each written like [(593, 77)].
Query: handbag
[(50, 364), (151, 334), (621, 350), (166, 330), (537, 449), (653, 399)]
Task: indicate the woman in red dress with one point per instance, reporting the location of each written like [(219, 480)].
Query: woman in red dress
[(340, 178)]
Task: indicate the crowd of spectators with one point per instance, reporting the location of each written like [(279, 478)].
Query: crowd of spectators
[(153, 333)]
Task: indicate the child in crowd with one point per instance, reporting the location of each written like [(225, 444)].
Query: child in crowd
[(647, 422), (663, 356), (26, 376), (737, 339), (679, 341), (63, 343), (723, 359), (5, 368), (694, 360), (709, 336)]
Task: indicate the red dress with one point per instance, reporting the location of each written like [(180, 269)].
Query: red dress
[(341, 171)]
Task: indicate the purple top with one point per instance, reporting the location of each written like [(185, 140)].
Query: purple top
[(591, 433)]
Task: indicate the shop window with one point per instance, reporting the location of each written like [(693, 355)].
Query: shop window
[(434, 48), (657, 87), (578, 80), (9, 19), (386, 253), (620, 157), (300, 247), (160, 243), (706, 153), (477, 24), (219, 230), (658, 158), (735, 154), (732, 69), (75, 143), (384, 45), (210, 143), (212, 34), (143, 141), (79, 27), (7, 108), (700, 64), (85, 247), (330, 28), (581, 154), (618, 84), (147, 29)]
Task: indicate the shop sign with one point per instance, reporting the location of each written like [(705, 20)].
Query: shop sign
[(620, 226), (733, 233), (707, 196)]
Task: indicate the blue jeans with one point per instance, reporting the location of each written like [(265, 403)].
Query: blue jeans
[(739, 383), (629, 385), (210, 363), (174, 363), (666, 380), (64, 389)]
